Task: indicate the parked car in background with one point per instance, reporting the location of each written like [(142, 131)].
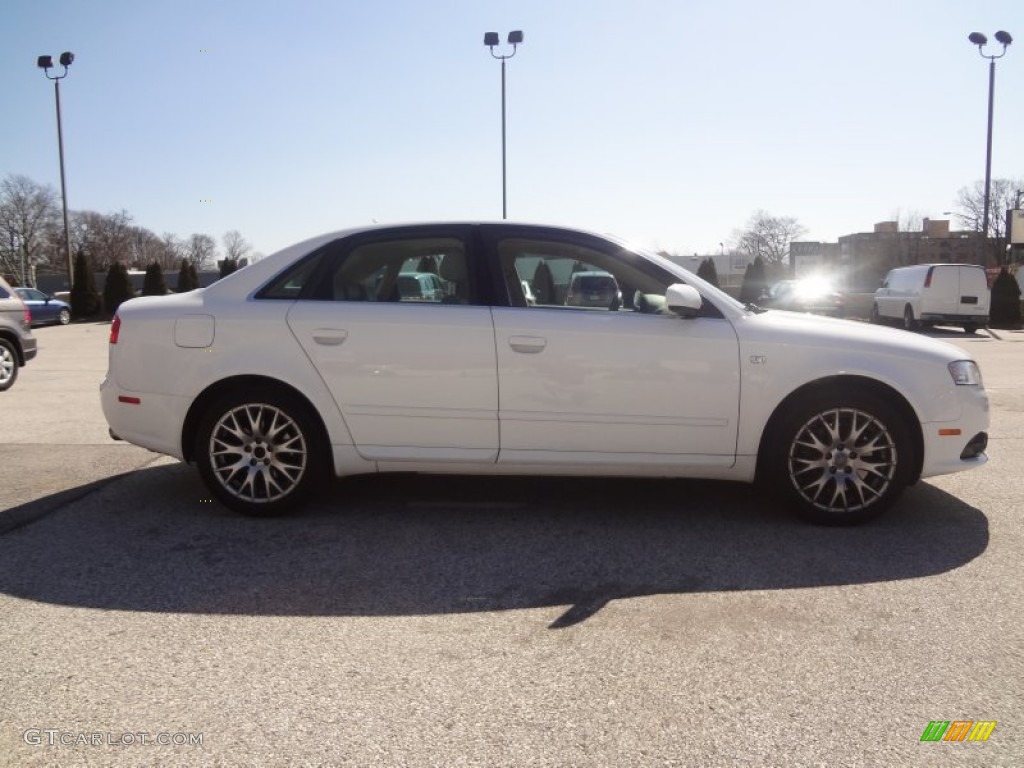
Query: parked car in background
[(593, 289), (44, 308), (934, 294), (319, 372), (809, 294), (17, 344), (420, 286)]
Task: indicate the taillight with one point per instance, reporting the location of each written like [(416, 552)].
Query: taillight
[(28, 317), (928, 277), (115, 329)]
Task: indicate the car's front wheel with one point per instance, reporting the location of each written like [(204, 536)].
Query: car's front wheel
[(8, 365), (876, 317), (260, 452), (64, 317), (842, 457)]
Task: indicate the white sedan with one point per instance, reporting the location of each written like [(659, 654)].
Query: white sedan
[(311, 363)]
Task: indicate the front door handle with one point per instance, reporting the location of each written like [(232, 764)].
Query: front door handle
[(527, 344)]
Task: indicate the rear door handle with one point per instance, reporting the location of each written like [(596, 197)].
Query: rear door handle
[(329, 337), (527, 344)]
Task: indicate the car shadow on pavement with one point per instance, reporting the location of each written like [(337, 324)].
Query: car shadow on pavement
[(414, 545)]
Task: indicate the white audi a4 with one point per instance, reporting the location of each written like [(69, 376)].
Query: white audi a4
[(316, 362)]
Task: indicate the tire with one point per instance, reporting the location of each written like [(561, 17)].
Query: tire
[(64, 317), (970, 328), (261, 452), (876, 318), (909, 323), (841, 457), (8, 365)]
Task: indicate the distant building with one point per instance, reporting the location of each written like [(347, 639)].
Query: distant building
[(813, 258), (859, 261)]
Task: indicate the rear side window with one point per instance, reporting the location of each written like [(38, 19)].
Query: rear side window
[(290, 283), (432, 270)]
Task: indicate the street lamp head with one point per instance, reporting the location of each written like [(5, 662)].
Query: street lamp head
[(67, 57), (515, 37), (977, 38), (491, 39), (1004, 38), (44, 62)]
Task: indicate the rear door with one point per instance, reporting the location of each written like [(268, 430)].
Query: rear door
[(974, 296), (415, 377), (941, 295)]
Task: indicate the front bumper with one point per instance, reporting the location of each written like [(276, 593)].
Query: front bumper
[(946, 443)]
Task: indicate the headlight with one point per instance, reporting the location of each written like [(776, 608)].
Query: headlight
[(965, 373)]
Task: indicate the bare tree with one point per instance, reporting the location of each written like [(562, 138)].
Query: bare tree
[(201, 251), (174, 248), (769, 237), (104, 238), (970, 202), (150, 249), (27, 210), (235, 246)]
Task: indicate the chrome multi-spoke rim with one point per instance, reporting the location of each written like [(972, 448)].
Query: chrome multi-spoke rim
[(7, 363), (258, 453), (842, 460)]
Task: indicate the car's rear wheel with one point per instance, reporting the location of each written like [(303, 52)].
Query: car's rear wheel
[(970, 328), (8, 365), (64, 317), (842, 457), (909, 323), (260, 452)]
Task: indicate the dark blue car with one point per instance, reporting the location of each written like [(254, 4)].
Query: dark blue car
[(44, 308)]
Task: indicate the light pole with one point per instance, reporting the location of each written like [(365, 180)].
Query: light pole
[(981, 41), (45, 63), (490, 40)]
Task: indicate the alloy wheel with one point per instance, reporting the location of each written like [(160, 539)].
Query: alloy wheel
[(842, 460), (8, 364), (258, 453)]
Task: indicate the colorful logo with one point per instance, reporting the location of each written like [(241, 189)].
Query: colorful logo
[(958, 730)]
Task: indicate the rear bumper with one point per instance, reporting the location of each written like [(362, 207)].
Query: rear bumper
[(29, 348), (154, 422), (934, 317)]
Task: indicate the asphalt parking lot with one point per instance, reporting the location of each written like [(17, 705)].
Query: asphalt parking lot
[(451, 621)]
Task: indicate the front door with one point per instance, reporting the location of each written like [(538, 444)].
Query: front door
[(608, 376)]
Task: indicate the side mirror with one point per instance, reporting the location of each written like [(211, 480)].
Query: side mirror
[(683, 300)]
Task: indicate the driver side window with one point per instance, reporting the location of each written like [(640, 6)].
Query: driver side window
[(547, 274)]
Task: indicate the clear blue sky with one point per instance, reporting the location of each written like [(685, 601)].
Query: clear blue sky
[(666, 122)]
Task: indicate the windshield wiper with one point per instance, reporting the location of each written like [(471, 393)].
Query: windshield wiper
[(752, 307)]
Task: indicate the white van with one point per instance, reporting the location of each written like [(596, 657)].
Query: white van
[(934, 294)]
